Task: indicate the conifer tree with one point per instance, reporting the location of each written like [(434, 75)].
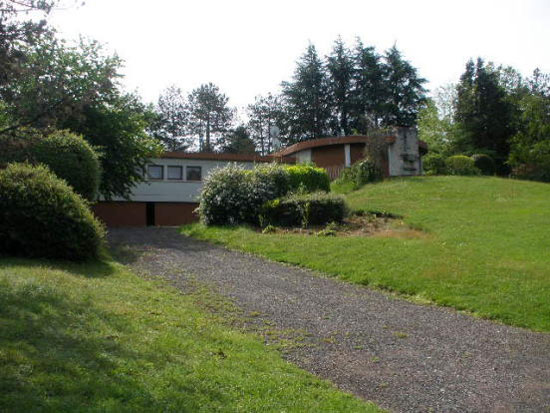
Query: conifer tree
[(340, 71)]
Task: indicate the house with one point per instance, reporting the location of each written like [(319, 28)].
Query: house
[(404, 153), (171, 190), (174, 181)]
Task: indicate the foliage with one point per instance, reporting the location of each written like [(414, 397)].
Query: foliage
[(316, 208), (434, 164), (171, 125), (264, 122), (308, 177), (238, 141), (461, 165), (480, 245), (530, 152), (484, 114), (340, 71), (40, 216), (306, 101), (118, 132), (209, 114), (67, 155), (484, 163), (361, 173), (437, 130)]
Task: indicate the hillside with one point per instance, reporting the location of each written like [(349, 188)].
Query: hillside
[(482, 246)]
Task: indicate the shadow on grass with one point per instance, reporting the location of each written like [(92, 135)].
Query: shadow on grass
[(59, 352), (88, 269)]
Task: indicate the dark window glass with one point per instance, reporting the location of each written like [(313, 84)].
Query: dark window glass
[(194, 173), (155, 172), (175, 172)]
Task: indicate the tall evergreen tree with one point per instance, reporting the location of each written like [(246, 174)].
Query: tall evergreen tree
[(171, 125), (306, 100), (404, 94), (264, 114), (209, 115), (367, 89), (340, 71), (484, 114)]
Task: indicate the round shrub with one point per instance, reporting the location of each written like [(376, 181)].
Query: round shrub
[(41, 216), (308, 177), (484, 163), (71, 158), (67, 155), (434, 164), (461, 165), (317, 208)]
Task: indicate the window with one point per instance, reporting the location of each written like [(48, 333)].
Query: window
[(175, 173), (155, 172), (194, 173)]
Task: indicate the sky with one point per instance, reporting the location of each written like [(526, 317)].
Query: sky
[(248, 48)]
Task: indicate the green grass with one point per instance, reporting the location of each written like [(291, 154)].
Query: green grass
[(96, 338), (486, 247)]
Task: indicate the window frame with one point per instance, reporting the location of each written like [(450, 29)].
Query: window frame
[(180, 167), (149, 178), (187, 173)]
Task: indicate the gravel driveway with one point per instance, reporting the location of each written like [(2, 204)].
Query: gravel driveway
[(403, 356)]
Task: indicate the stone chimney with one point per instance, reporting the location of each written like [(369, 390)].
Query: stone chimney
[(403, 154)]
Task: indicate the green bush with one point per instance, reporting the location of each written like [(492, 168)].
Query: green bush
[(308, 177), (361, 173), (40, 216), (317, 208), (67, 155), (434, 164), (461, 165), (484, 163), (233, 195)]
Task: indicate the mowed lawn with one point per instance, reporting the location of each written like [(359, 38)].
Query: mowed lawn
[(484, 245), (96, 338)]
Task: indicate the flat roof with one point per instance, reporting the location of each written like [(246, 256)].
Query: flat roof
[(235, 157)]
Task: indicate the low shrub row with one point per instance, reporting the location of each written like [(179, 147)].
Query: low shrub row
[(234, 195), (303, 210), (478, 164)]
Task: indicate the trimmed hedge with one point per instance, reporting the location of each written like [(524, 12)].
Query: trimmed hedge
[(41, 216), (318, 208), (484, 163), (461, 165), (67, 155), (233, 195), (434, 164), (308, 177)]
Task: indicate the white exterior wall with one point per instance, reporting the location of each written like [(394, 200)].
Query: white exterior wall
[(403, 154), (303, 156), (177, 191)]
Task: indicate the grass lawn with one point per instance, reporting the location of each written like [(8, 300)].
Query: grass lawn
[(96, 338), (486, 247)]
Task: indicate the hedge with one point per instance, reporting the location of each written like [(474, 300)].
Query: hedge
[(41, 216)]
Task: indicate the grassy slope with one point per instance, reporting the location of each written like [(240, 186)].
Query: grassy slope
[(486, 251), (95, 337)]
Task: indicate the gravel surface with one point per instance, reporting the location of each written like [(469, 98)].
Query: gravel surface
[(403, 356)]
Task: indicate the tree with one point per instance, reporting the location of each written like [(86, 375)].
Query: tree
[(209, 114), (264, 114), (118, 132), (340, 69), (367, 89), (484, 113), (404, 93), (307, 111), (171, 125), (238, 141)]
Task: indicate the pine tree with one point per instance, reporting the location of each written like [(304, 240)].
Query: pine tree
[(340, 70), (173, 114), (367, 89), (404, 93), (306, 100), (209, 114), (264, 114)]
